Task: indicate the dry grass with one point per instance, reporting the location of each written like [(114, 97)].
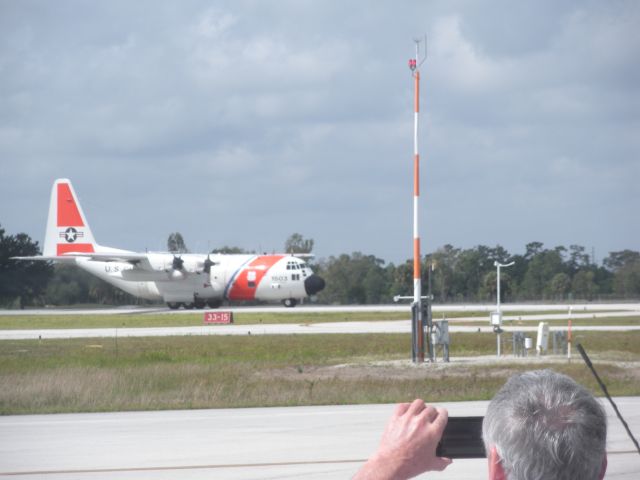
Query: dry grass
[(204, 372)]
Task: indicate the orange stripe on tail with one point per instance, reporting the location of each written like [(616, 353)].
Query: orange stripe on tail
[(68, 213), (74, 248)]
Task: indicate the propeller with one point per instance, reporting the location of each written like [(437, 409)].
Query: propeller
[(178, 263), (208, 263)]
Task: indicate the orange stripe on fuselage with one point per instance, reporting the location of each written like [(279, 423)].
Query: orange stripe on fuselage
[(261, 265), (74, 247), (68, 213)]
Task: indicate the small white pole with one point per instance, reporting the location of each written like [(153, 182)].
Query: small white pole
[(569, 337)]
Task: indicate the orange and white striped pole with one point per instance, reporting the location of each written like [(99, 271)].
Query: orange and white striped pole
[(417, 329)]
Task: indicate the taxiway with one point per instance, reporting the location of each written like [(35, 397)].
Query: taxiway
[(324, 443)]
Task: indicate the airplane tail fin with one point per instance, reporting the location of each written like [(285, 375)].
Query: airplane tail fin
[(67, 227)]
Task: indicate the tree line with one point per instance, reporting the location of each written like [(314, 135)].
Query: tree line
[(469, 275), (457, 275)]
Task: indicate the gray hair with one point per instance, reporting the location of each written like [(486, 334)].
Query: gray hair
[(546, 426)]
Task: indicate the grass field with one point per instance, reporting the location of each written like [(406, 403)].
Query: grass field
[(13, 322), (214, 371)]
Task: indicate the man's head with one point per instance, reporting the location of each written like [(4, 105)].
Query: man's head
[(543, 425)]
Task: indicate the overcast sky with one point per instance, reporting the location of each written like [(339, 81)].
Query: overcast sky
[(242, 122)]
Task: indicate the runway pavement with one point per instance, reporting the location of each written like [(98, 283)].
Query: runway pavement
[(325, 442), (394, 326)]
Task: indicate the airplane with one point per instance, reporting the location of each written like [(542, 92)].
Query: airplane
[(180, 280)]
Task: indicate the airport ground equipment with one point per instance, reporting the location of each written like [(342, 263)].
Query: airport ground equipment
[(542, 339)]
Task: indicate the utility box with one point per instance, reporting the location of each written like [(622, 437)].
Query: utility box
[(528, 343), (440, 336), (542, 341)]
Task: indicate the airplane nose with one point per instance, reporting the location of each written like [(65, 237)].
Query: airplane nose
[(313, 284)]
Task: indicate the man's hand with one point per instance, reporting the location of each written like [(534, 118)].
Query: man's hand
[(408, 445)]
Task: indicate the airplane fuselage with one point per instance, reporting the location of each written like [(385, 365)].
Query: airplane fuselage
[(231, 277)]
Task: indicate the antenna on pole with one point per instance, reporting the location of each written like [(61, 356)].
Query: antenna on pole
[(417, 324)]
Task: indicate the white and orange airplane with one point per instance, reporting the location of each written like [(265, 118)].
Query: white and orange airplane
[(181, 280)]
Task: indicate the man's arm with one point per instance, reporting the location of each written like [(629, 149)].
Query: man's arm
[(408, 445)]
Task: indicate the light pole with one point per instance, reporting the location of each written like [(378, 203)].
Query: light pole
[(498, 322)]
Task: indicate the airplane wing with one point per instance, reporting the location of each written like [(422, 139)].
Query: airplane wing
[(133, 258), (42, 258)]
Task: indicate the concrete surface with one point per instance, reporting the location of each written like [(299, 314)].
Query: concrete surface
[(325, 442)]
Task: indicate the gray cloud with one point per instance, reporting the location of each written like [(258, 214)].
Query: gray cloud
[(242, 122)]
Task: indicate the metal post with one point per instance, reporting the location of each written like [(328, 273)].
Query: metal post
[(498, 286), (498, 310), (569, 338), (430, 316), (499, 265)]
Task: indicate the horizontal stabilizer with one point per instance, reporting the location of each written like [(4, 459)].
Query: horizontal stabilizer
[(110, 257)]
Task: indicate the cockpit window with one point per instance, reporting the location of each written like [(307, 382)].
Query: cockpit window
[(293, 265)]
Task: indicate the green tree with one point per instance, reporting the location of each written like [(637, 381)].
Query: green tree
[(625, 266), (296, 243), (577, 258), (229, 250), (533, 249), (560, 285), (543, 266), (583, 285), (469, 272), (617, 260), (354, 279), (445, 260), (626, 280), (21, 282), (401, 279), (175, 243), (489, 288), (472, 267), (69, 285)]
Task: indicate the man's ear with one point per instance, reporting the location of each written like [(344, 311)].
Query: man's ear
[(496, 471), (603, 468)]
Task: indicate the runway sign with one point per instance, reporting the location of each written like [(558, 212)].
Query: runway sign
[(218, 317)]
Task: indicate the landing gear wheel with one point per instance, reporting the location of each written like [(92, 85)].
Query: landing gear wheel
[(214, 303), (289, 302), (189, 306), (199, 303), (173, 305)]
